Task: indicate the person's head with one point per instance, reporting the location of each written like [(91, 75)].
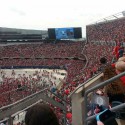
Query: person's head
[(121, 59), (103, 60), (120, 66), (41, 114)]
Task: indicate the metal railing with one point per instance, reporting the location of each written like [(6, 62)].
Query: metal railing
[(17, 102), (8, 110), (82, 85), (97, 87), (63, 99), (112, 109)]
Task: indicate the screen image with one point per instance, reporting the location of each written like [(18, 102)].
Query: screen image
[(64, 33)]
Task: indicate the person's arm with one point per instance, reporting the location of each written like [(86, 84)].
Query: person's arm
[(99, 123)]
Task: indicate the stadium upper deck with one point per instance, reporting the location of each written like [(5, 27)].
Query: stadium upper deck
[(108, 29)]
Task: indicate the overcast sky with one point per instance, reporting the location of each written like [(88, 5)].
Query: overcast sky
[(43, 14)]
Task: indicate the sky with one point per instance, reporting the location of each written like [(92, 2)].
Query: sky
[(43, 14)]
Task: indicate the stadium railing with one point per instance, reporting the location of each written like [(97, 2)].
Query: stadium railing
[(9, 111), (79, 99), (95, 88)]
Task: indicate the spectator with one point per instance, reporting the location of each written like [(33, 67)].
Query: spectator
[(120, 67), (116, 51), (121, 51), (103, 62), (115, 90), (121, 59), (41, 114)]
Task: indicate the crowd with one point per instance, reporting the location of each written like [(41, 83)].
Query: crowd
[(109, 31), (94, 52), (15, 85), (58, 50), (77, 73)]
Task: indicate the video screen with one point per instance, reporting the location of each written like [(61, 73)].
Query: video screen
[(64, 33)]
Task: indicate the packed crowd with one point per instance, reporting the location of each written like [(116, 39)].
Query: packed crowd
[(15, 86), (76, 72), (94, 51), (109, 31), (52, 50)]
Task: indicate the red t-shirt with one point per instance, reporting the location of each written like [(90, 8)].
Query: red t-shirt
[(67, 92), (113, 65), (115, 51), (69, 115), (123, 79)]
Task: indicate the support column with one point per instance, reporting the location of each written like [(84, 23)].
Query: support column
[(77, 109)]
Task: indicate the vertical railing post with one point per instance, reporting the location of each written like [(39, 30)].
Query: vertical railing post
[(10, 121)]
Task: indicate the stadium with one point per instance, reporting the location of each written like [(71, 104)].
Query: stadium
[(80, 79)]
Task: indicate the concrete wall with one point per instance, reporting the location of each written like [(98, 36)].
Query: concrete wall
[(78, 101)]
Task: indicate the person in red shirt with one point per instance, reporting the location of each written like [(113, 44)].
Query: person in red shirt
[(69, 117), (67, 91), (116, 51)]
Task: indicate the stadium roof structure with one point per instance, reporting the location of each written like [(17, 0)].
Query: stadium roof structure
[(110, 18)]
